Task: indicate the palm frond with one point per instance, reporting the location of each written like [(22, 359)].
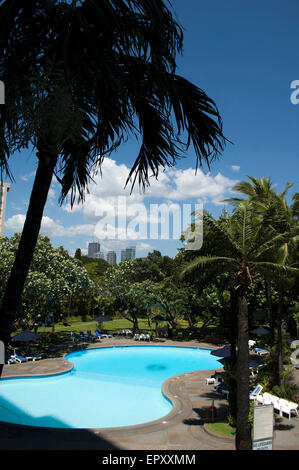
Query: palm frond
[(275, 269), (199, 264)]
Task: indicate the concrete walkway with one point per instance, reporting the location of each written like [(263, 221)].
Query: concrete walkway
[(182, 429)]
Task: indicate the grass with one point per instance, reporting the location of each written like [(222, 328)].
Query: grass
[(90, 324), (222, 428)]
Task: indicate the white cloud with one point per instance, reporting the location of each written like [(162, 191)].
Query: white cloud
[(235, 167), (49, 227), (27, 176), (109, 204), (182, 186)]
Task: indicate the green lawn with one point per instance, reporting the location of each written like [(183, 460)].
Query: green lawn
[(222, 428), (89, 324)]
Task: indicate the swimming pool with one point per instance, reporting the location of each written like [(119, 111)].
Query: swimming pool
[(107, 387)]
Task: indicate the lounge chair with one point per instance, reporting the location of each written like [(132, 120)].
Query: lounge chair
[(102, 335), (147, 337), (18, 358), (210, 380), (287, 407), (9, 359), (261, 351), (255, 392), (36, 357), (75, 337), (83, 336), (137, 336), (91, 336), (222, 388), (32, 355)]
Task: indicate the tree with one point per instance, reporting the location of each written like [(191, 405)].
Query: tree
[(99, 72), (54, 278), (278, 219), (246, 254)]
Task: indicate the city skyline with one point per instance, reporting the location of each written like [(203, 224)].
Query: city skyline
[(94, 252)]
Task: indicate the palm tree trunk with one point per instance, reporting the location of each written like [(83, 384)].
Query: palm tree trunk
[(279, 371), (233, 341), (14, 288), (243, 436), (270, 310)]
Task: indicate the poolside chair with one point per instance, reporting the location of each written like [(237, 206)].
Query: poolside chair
[(102, 335), (31, 355), (75, 337), (137, 336), (261, 351), (9, 359), (210, 380), (255, 392), (36, 357), (82, 335), (251, 343), (287, 407), (222, 388), (18, 358), (147, 337), (90, 335)]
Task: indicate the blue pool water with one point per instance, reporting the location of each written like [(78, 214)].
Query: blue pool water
[(107, 387)]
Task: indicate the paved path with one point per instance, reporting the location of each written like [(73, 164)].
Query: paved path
[(182, 429)]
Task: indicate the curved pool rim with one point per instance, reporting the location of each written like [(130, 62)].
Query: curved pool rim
[(181, 404)]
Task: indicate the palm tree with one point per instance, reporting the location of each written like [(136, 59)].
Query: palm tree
[(278, 218), (79, 81), (245, 255)]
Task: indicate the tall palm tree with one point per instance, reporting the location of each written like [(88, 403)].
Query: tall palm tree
[(261, 192), (245, 255), (279, 218), (79, 81)]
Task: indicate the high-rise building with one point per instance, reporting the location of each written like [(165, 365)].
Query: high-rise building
[(101, 255), (4, 188), (93, 249), (122, 255), (131, 252), (128, 253), (111, 257)]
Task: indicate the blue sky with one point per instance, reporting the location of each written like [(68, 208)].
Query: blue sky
[(244, 56)]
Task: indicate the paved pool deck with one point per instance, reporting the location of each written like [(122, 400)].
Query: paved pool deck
[(184, 428)]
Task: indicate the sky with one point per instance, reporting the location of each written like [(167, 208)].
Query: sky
[(244, 56)]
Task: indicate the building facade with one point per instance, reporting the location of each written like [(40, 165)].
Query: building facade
[(128, 253), (4, 188), (131, 252), (111, 257), (93, 249)]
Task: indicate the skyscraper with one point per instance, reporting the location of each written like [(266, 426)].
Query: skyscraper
[(131, 252), (4, 188), (122, 255), (128, 253), (93, 249), (111, 257)]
